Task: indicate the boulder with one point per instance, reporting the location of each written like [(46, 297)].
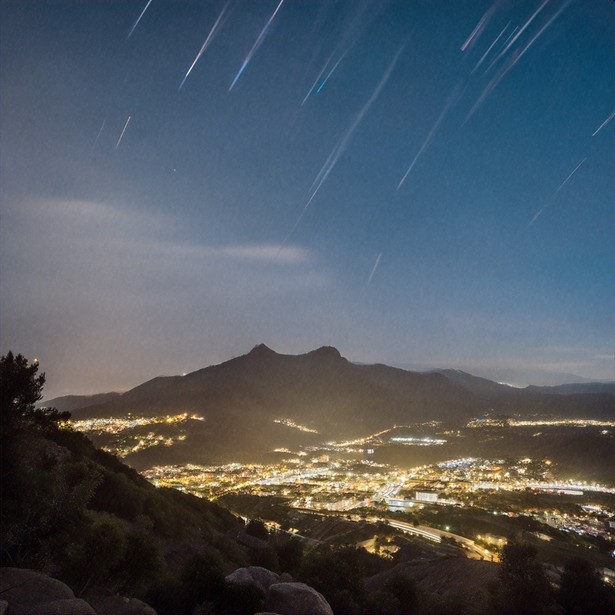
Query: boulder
[(296, 599), (21, 587), (117, 605), (67, 606), (261, 577)]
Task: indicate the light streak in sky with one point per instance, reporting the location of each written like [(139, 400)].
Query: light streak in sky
[(208, 40), (513, 59), (495, 80), (552, 199), (322, 85), (453, 98), (524, 27), (478, 30), (99, 133), (371, 275), (343, 142), (500, 54), (139, 19), (510, 36), (539, 33), (255, 47), (123, 131), (490, 48), (608, 119), (348, 38), (320, 74), (341, 145)]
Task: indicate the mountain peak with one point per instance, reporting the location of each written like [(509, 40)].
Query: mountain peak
[(261, 350), (326, 352)]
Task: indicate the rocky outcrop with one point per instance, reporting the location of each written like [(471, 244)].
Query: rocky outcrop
[(117, 605), (68, 606), (26, 592), (296, 599), (283, 596), (261, 577), (23, 587)]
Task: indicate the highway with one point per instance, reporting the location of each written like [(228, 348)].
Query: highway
[(436, 535)]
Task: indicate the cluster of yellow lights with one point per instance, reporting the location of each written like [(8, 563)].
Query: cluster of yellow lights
[(291, 423), (118, 424), (561, 423), (129, 442)]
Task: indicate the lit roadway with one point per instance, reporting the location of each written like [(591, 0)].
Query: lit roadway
[(429, 533), (436, 535)]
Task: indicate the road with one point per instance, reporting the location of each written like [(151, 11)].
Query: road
[(436, 535)]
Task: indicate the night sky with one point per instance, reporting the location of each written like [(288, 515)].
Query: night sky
[(418, 183)]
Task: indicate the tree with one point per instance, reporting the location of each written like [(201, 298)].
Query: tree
[(257, 529), (523, 587), (20, 388), (581, 587)]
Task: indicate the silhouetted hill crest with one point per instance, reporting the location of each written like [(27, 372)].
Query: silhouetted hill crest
[(241, 400)]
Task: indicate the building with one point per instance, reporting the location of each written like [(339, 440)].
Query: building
[(426, 496)]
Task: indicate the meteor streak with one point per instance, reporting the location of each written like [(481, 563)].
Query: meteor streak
[(139, 19), (322, 85), (608, 119), (322, 70), (255, 47), (208, 40), (513, 59), (552, 199), (123, 131), (341, 145), (371, 275), (525, 25), (539, 33), (453, 98), (99, 133), (490, 48), (478, 30)]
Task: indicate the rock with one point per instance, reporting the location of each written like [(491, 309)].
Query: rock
[(68, 606), (3, 606), (266, 613), (286, 578), (21, 587), (296, 599), (261, 577), (117, 605)]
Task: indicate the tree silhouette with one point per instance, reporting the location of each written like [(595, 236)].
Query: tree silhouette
[(523, 587), (582, 588), (20, 388)]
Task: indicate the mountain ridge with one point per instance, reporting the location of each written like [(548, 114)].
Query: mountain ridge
[(324, 387)]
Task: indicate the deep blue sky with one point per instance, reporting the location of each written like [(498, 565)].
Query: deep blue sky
[(193, 239)]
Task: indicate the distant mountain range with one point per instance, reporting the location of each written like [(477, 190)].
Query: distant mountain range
[(327, 393)]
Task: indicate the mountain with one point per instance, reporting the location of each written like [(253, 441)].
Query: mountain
[(69, 403), (476, 384), (325, 394), (597, 388)]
